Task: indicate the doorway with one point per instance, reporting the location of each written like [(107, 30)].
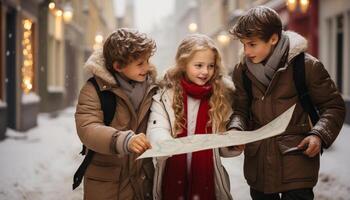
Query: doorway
[(10, 57)]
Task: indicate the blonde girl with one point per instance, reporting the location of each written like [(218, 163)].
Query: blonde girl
[(194, 99)]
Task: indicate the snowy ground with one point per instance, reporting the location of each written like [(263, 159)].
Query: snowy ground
[(39, 164)]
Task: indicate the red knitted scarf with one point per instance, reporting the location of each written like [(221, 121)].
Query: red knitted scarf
[(199, 182)]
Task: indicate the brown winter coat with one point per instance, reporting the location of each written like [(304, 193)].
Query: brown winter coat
[(266, 169), (113, 173)]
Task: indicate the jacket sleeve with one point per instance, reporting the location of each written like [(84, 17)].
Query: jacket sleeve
[(329, 102), (93, 133), (239, 118), (159, 127)]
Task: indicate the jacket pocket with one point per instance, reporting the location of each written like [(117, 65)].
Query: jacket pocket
[(251, 161), (296, 167), (99, 172), (101, 182)]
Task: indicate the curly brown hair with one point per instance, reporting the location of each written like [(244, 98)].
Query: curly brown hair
[(219, 104), (126, 45)]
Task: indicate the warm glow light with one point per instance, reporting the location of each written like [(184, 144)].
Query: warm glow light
[(28, 64), (52, 5), (67, 12), (292, 5), (26, 34), (192, 27), (27, 24), (59, 13), (223, 38), (304, 5), (98, 39), (67, 15), (98, 42)]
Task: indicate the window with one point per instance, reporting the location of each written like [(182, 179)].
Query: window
[(55, 67)]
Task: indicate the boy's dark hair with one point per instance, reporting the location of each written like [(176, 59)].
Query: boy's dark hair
[(260, 21), (126, 45)]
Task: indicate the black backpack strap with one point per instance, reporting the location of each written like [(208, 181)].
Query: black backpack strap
[(303, 92), (108, 102), (108, 105)]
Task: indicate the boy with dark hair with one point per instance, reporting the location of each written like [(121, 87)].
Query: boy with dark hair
[(123, 70), (285, 166)]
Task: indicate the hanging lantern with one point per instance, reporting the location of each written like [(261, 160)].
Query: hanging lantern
[(67, 13), (291, 5), (304, 5), (52, 5)]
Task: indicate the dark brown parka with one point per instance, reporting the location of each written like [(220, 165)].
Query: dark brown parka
[(266, 168)]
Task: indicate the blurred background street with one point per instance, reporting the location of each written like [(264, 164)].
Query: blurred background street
[(43, 47)]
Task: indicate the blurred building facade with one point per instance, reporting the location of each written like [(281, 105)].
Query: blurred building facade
[(19, 80), (334, 44), (44, 44), (128, 19), (186, 18), (166, 48)]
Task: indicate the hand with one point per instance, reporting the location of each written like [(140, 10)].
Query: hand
[(234, 129), (237, 147), (228, 131), (313, 143), (139, 143)]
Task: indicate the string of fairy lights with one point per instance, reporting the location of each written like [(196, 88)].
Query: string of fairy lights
[(27, 69)]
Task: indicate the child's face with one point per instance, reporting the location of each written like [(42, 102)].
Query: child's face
[(137, 70), (200, 69), (257, 50)]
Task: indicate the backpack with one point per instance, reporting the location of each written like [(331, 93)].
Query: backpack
[(300, 84), (108, 104)]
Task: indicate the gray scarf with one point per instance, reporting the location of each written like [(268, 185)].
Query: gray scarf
[(133, 89), (264, 73)]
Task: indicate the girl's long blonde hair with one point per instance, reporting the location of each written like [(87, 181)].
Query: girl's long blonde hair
[(219, 104)]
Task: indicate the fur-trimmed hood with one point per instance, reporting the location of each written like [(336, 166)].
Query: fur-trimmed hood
[(95, 65), (297, 45)]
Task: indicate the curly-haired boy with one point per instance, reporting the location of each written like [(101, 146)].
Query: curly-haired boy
[(123, 69)]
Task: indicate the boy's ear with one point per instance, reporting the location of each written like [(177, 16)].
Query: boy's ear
[(274, 39), (116, 67)]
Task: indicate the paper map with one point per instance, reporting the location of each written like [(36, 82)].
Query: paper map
[(209, 141)]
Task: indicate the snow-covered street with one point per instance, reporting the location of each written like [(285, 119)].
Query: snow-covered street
[(40, 163)]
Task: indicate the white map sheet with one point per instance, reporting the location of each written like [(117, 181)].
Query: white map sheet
[(209, 141)]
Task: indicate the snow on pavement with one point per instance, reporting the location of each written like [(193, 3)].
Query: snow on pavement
[(39, 164)]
